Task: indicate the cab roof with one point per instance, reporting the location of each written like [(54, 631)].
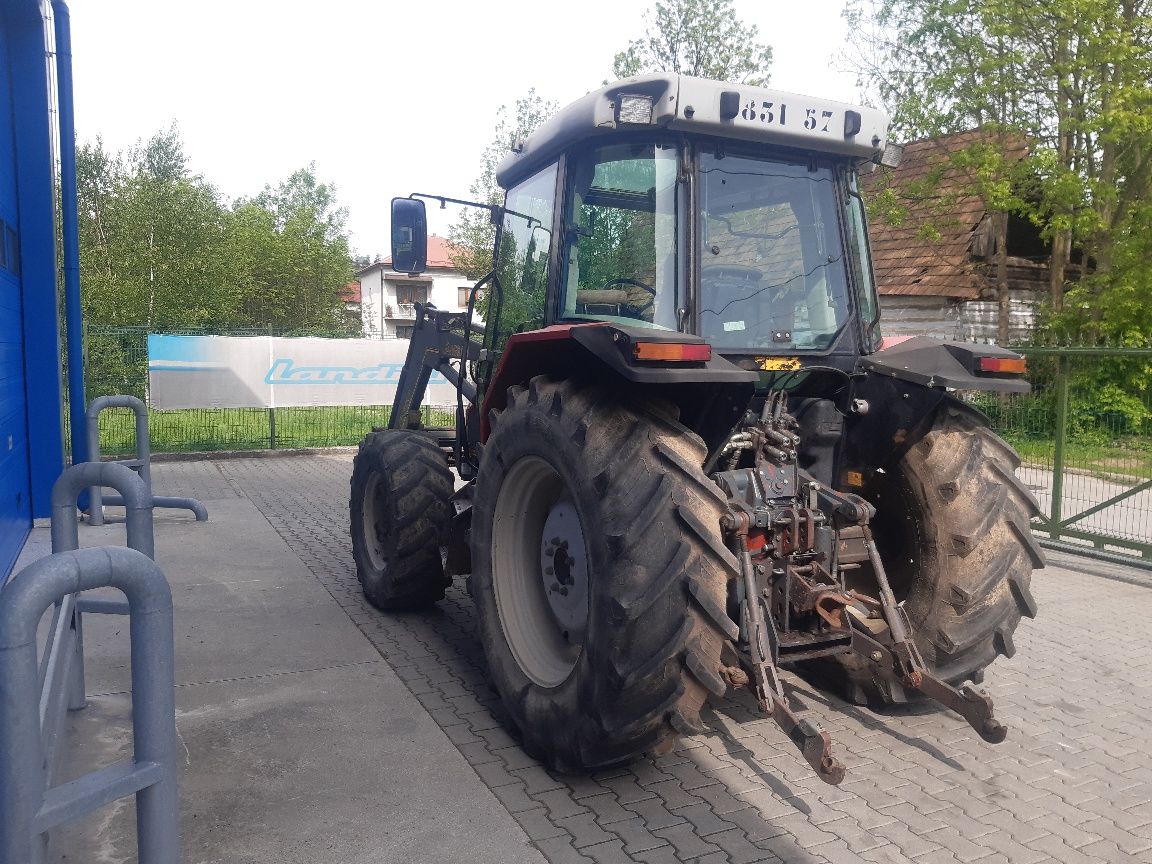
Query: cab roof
[(686, 104)]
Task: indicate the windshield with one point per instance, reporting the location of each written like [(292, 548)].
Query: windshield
[(771, 259), (620, 236)]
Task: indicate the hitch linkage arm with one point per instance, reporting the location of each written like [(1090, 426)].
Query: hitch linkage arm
[(814, 744), (903, 659)]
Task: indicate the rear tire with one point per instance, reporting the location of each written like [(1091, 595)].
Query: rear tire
[(603, 676), (952, 528), (399, 509)]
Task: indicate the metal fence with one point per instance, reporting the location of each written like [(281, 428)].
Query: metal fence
[(1084, 435), (116, 362)]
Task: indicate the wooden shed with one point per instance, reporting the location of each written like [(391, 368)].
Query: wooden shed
[(935, 262)]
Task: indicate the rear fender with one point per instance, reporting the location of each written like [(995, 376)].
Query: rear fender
[(953, 365), (711, 395)]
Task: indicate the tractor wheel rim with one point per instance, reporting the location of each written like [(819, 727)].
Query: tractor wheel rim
[(564, 569), (544, 628), (373, 543)]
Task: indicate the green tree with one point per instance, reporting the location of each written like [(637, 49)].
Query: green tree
[(151, 238), (292, 245), (703, 38), (473, 234), (160, 248), (1069, 76)]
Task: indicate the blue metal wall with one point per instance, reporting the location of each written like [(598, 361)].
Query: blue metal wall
[(31, 442), (15, 481)]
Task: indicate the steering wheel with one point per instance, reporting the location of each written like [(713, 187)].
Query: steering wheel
[(615, 283)]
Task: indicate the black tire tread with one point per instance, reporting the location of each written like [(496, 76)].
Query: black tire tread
[(974, 586), (416, 485), (647, 674)]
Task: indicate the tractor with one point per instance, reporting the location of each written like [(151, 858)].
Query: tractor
[(684, 458)]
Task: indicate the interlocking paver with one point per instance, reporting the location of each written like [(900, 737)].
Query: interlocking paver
[(561, 804), (840, 852), (661, 855), (688, 843), (584, 830), (636, 836), (857, 838), (1069, 784), (737, 846), (537, 825), (611, 852), (607, 808), (535, 778), (627, 789), (672, 793), (559, 850), (1060, 851), (655, 813), (513, 797), (1123, 839)]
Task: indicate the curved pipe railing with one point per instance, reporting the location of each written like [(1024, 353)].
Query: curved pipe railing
[(29, 805), (142, 462)]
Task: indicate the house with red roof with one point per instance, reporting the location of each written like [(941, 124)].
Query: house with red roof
[(388, 298)]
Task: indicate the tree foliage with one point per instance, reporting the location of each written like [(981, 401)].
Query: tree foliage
[(159, 247), (1069, 76), (703, 38), (473, 233)]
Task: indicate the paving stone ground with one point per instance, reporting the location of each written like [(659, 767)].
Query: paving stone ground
[(1073, 782)]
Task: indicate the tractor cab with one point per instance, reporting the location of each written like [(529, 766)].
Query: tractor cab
[(751, 243), (691, 206)]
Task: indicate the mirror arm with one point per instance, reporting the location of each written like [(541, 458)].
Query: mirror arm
[(497, 210), (445, 201)]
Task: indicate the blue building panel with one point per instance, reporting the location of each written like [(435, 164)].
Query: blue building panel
[(15, 481), (31, 440)]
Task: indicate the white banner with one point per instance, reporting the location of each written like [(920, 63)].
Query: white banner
[(279, 372)]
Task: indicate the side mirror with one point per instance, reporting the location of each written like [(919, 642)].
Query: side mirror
[(409, 236)]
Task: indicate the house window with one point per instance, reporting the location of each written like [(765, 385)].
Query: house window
[(462, 296), (411, 294), (404, 332)]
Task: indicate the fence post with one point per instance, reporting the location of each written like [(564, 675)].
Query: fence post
[(271, 428), (1062, 376)]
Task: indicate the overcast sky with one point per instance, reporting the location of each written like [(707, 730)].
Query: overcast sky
[(387, 98)]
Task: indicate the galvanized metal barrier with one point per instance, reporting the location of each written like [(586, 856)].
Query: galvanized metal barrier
[(142, 462), (134, 493), (1085, 436), (31, 709)]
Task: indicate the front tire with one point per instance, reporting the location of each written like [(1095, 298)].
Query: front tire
[(576, 491), (399, 510)]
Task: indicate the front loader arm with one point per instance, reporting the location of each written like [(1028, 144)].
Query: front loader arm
[(437, 338)]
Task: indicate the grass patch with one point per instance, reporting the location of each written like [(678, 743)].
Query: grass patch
[(1124, 457), (196, 430)]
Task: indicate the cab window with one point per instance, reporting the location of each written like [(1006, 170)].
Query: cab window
[(619, 259), (522, 256)]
